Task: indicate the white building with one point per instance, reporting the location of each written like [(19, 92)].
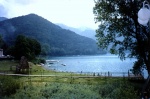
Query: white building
[(1, 52)]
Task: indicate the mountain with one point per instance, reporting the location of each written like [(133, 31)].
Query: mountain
[(87, 32), (69, 28), (3, 18), (54, 39)]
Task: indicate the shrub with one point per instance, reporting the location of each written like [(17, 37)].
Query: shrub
[(118, 90), (52, 90), (38, 61), (8, 85)]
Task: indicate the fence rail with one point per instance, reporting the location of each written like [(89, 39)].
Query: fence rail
[(81, 74)]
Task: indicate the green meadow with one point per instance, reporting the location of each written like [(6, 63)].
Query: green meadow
[(62, 85)]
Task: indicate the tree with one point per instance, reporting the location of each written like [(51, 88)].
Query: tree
[(1, 41), (8, 86), (120, 31), (3, 44), (27, 47), (45, 49)]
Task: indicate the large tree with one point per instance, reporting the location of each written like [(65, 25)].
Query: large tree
[(27, 47), (2, 44), (1, 41), (120, 33)]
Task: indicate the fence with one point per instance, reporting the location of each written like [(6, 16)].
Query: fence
[(81, 74), (104, 74)]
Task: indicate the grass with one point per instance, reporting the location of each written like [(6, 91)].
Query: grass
[(66, 86), (5, 65), (111, 89)]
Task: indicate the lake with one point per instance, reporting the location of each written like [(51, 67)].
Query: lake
[(100, 63)]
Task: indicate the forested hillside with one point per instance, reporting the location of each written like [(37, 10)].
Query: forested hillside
[(53, 39), (3, 18)]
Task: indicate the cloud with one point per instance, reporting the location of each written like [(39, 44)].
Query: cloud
[(7, 7), (3, 11), (74, 13), (22, 2)]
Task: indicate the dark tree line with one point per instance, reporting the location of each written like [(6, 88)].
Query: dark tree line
[(3, 45), (23, 46)]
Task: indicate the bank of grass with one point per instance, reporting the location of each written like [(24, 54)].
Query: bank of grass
[(68, 87), (35, 69), (118, 89), (6, 64)]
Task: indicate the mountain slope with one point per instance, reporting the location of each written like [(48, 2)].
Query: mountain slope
[(54, 39), (69, 28), (87, 32), (3, 18)]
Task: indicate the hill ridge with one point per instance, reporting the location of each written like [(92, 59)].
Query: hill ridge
[(54, 39)]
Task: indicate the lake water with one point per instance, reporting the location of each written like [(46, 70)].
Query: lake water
[(101, 63)]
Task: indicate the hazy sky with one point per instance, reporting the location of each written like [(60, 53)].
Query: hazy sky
[(74, 13)]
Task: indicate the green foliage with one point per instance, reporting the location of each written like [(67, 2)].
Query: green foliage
[(45, 49), (119, 30), (5, 65), (39, 60), (108, 90), (2, 44), (8, 85), (1, 40), (118, 90), (27, 47)]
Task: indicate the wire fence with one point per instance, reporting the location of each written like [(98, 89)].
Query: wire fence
[(78, 74)]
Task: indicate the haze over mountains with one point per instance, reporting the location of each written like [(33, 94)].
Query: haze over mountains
[(87, 32), (54, 39)]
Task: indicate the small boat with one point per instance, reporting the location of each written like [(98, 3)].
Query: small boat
[(51, 61), (63, 64)]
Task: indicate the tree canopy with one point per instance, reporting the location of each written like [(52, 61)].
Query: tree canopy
[(27, 47), (2, 43), (120, 33)]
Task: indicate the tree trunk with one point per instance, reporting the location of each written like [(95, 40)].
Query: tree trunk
[(148, 66), (148, 69)]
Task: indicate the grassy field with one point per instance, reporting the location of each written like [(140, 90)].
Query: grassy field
[(5, 65), (64, 86)]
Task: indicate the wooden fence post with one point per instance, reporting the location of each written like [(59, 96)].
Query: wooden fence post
[(128, 74)]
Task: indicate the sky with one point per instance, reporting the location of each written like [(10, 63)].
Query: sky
[(73, 13)]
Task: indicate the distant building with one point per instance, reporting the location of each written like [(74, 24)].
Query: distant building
[(1, 52)]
